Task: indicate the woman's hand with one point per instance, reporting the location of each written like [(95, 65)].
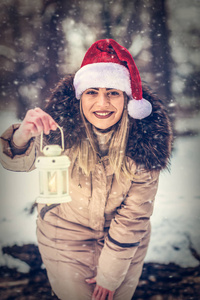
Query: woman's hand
[(35, 121), (100, 293)]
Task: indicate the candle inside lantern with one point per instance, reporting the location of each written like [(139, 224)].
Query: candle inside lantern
[(52, 182)]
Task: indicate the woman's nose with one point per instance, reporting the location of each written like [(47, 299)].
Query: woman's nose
[(103, 100)]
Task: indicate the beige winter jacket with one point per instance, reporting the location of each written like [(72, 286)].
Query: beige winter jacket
[(104, 231), (101, 208)]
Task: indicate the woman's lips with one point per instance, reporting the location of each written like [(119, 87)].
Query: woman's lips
[(103, 114)]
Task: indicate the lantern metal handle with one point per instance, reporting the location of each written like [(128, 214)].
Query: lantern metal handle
[(62, 139)]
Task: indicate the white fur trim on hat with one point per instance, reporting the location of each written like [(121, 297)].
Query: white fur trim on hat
[(139, 109), (102, 75)]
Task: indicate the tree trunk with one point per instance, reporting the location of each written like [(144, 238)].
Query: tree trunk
[(161, 62), (106, 21)]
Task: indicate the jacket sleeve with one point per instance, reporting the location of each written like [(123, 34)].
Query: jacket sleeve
[(127, 229), (21, 163)]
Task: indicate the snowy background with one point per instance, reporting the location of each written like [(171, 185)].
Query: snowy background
[(42, 41), (176, 218)]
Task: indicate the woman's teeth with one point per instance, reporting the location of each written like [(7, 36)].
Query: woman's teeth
[(103, 114)]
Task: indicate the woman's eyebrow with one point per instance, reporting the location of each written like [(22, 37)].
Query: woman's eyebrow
[(107, 89)]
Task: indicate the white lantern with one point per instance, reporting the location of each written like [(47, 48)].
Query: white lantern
[(53, 173)]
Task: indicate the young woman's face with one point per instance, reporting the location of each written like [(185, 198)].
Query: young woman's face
[(102, 107)]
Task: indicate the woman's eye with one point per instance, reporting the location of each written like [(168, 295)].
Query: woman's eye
[(113, 93), (91, 92)]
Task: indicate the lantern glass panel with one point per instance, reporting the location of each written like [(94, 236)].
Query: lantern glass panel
[(64, 175), (52, 182), (41, 180)]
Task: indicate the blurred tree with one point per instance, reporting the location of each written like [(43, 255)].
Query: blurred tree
[(106, 19), (121, 20), (33, 33), (42, 40), (160, 48), (134, 24), (185, 43)]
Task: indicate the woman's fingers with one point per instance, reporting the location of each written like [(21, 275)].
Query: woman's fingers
[(35, 122), (110, 296), (47, 120), (101, 293), (41, 120), (96, 293)]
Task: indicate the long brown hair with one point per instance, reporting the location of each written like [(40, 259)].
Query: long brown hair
[(85, 153)]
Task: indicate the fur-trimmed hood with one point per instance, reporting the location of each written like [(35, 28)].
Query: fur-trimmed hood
[(149, 142)]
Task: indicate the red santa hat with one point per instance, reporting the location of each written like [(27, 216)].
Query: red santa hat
[(108, 65)]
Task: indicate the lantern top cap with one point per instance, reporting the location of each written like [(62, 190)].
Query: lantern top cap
[(52, 150)]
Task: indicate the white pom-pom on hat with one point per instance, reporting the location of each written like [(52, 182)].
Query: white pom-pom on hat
[(139, 109)]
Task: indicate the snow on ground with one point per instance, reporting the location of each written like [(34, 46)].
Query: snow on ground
[(175, 222), (176, 218)]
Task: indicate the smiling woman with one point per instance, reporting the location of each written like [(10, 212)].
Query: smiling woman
[(102, 107), (118, 142)]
